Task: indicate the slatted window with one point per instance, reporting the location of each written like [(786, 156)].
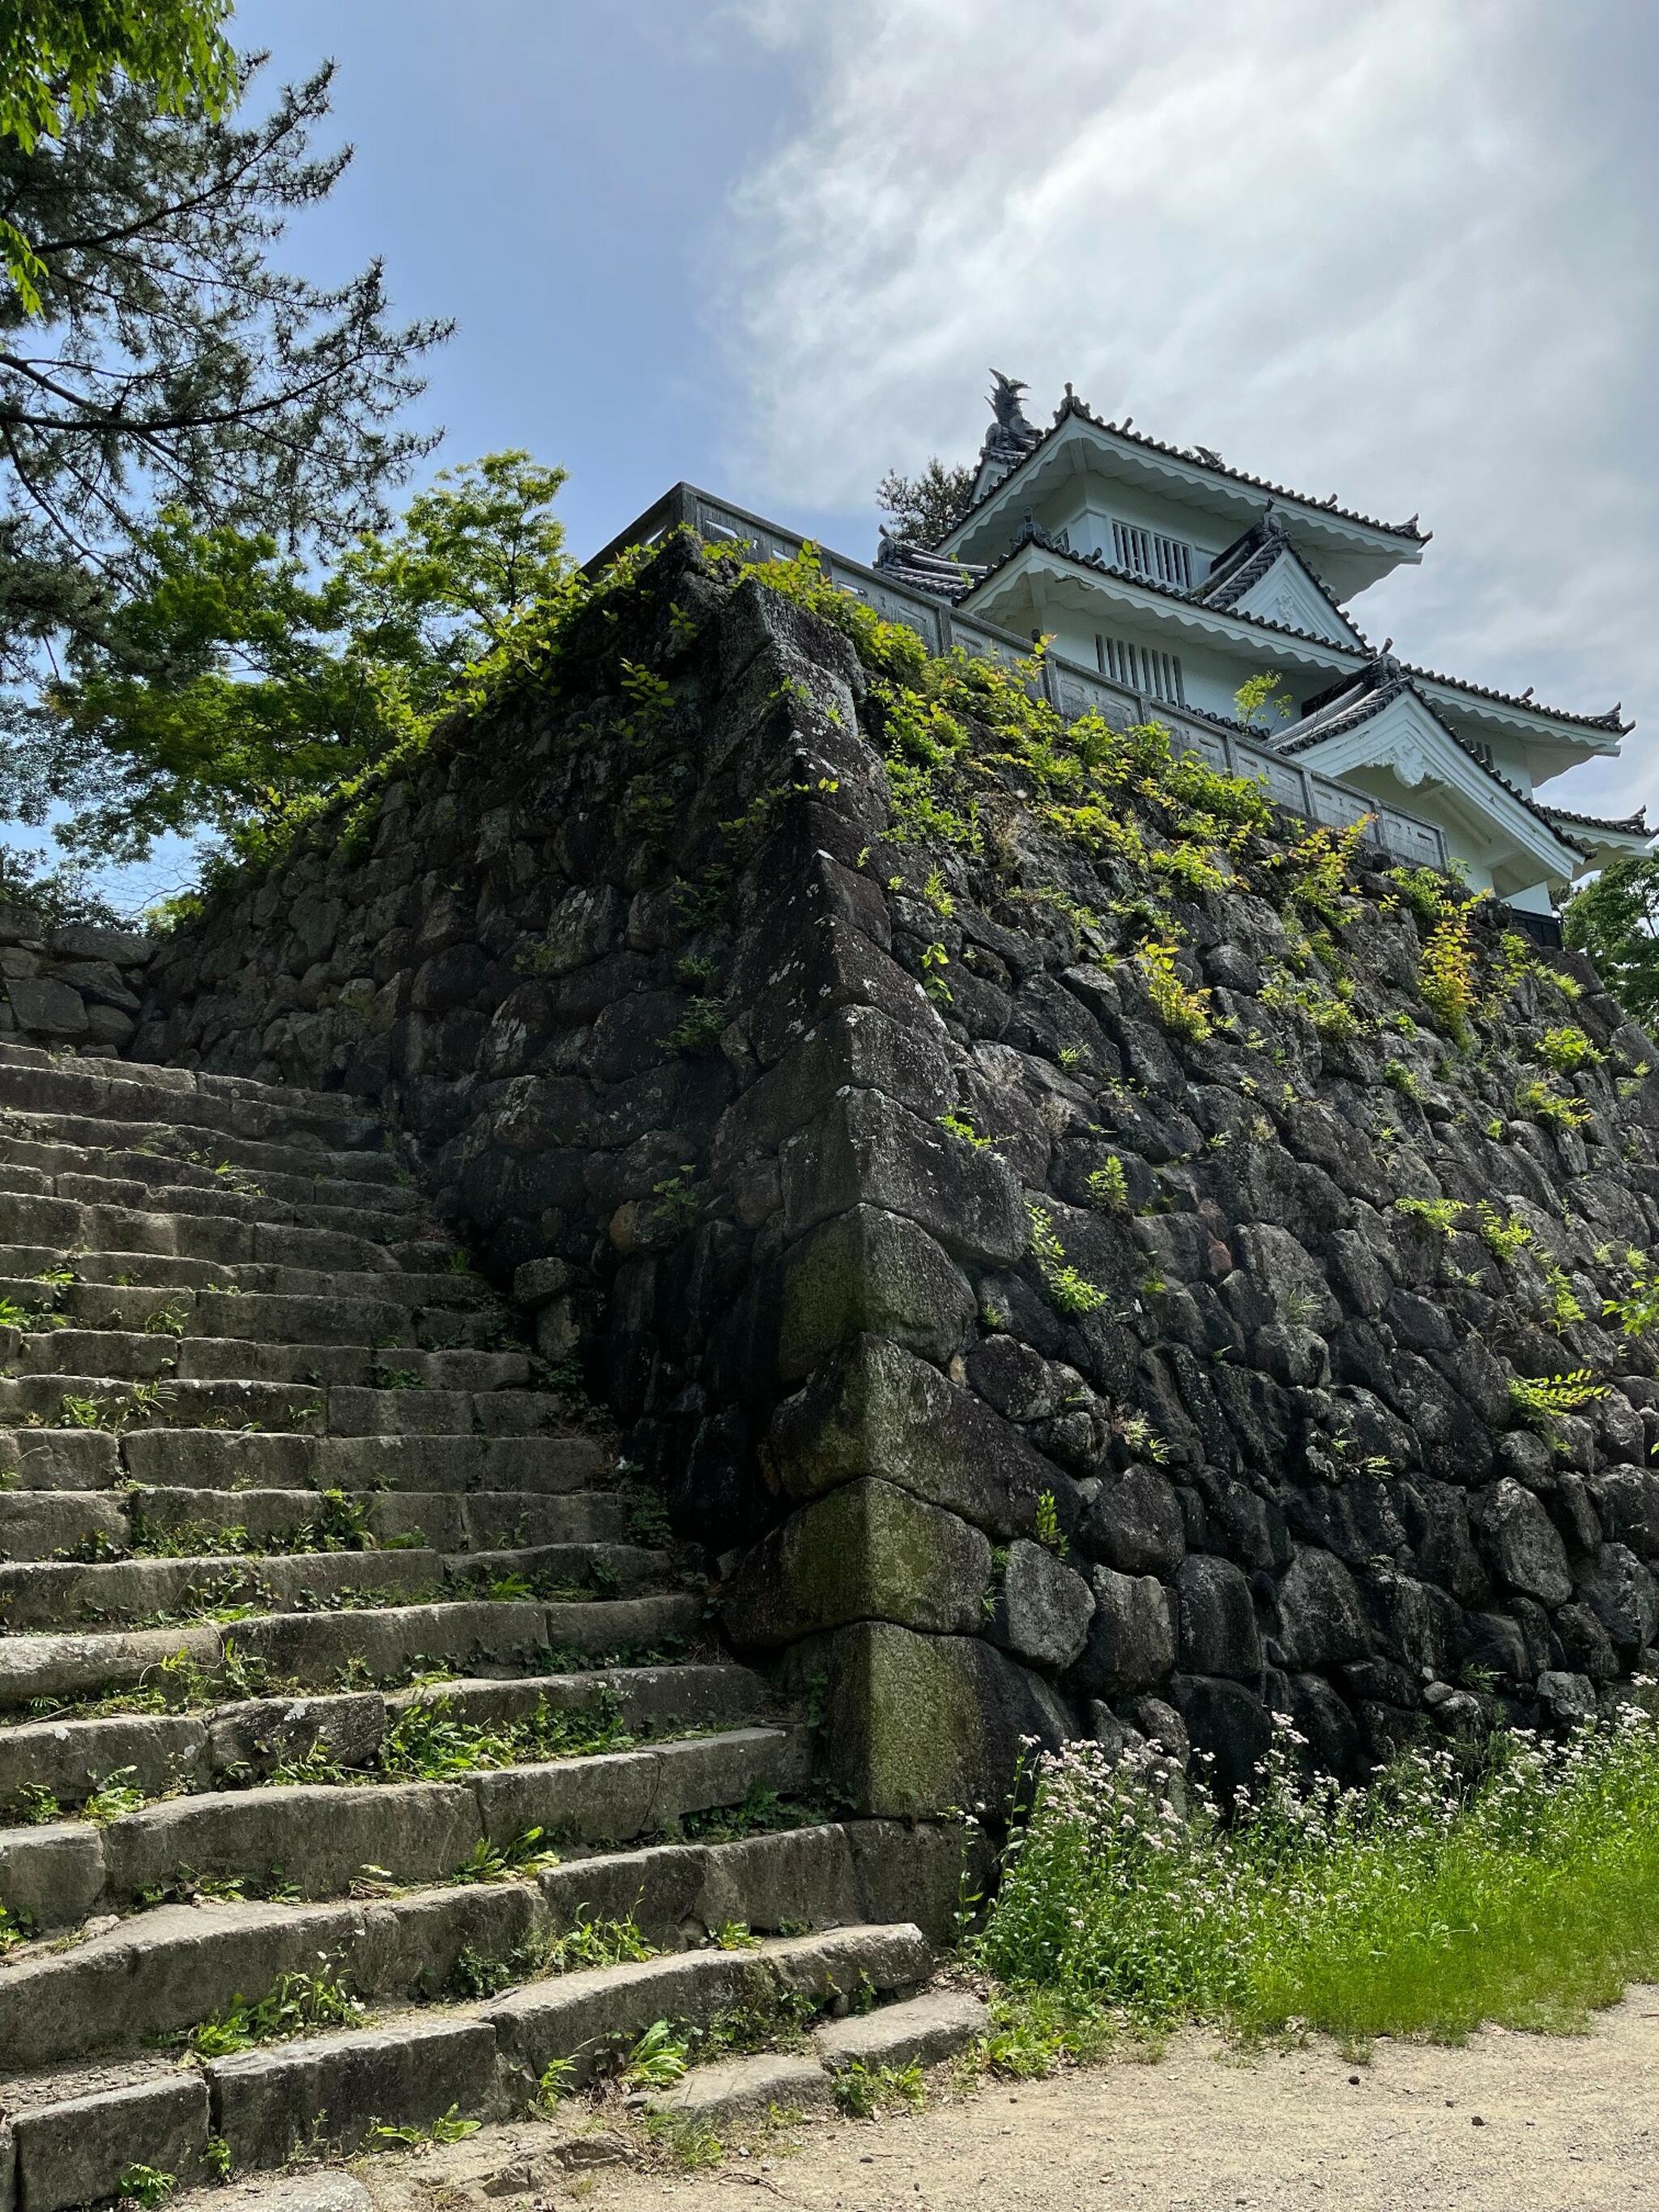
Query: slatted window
[(1149, 553), (1141, 668)]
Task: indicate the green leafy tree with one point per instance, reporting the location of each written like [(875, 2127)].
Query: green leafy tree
[(235, 682), (1615, 920), (58, 56), (159, 359), (924, 508)]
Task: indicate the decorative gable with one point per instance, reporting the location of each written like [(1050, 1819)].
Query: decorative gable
[(1287, 593)]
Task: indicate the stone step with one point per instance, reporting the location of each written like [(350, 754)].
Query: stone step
[(63, 1224), (30, 1272), (923, 2030), (231, 1459), (32, 1082), (76, 2131), (330, 1650), (208, 1744), (80, 1524), (97, 1401), (167, 1970), (326, 1836), (261, 1317), (172, 1136), (156, 1184), (45, 1594), (130, 1355)]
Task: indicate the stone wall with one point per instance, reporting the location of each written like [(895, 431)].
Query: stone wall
[(1035, 1357), (75, 987)]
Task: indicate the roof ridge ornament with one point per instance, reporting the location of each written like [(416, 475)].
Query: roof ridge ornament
[(1009, 437)]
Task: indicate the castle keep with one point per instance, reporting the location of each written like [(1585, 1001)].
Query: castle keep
[(806, 1196)]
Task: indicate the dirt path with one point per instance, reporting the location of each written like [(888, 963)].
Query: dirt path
[(1563, 2122), (1510, 2123)]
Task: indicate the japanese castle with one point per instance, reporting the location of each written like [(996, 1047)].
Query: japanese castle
[(1165, 581)]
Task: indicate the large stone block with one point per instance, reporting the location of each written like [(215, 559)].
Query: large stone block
[(1136, 1524), (856, 1046), (1044, 1607), (917, 1726), (865, 1150), (1131, 1642), (868, 1551), (1524, 1545), (876, 1272), (1218, 1626), (46, 1008), (880, 1411), (1229, 1729), (1321, 1622)]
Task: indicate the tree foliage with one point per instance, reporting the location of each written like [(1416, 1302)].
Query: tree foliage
[(57, 57), (1615, 920), (235, 681), (169, 363), (923, 507)]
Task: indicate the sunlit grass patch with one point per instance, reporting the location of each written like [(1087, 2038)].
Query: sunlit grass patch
[(1518, 1885)]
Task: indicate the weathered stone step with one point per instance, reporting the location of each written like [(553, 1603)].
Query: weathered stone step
[(42, 1524), (266, 1319), (75, 2132), (128, 1355), (231, 1459), (32, 1082), (922, 2031), (54, 1142), (361, 1215), (159, 1184), (173, 1138), (324, 1650), (63, 1400), (63, 1592), (325, 1836), (214, 1459), (65, 1225), (211, 1744), (171, 1968), (24, 1271)]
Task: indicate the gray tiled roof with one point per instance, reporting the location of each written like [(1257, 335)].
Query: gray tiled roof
[(1198, 458), (1377, 686), (1032, 533), (1629, 825)]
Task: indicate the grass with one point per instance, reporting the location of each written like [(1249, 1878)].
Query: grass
[(1512, 1885)]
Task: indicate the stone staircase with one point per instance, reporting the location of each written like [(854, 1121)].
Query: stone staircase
[(364, 1753)]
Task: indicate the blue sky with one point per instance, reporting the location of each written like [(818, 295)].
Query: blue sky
[(1397, 250)]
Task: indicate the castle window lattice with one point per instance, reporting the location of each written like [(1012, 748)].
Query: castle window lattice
[(1149, 553), (1142, 668)]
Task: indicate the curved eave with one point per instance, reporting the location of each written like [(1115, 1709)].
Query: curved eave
[(1565, 739), (1087, 588), (1371, 547), (1476, 792), (1569, 739)]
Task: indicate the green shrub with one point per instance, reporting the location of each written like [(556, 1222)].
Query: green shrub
[(1516, 1888)]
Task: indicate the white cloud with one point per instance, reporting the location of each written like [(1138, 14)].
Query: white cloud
[(1395, 250)]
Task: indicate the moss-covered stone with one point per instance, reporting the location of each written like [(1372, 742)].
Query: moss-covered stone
[(915, 1726), (880, 1411), (871, 1271), (867, 1552)]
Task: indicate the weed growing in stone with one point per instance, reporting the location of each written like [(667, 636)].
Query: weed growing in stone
[(1504, 1235), (146, 2186), (861, 2091), (1513, 1885), (294, 2003), (1068, 1292), (1539, 1402), (1440, 1215)]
